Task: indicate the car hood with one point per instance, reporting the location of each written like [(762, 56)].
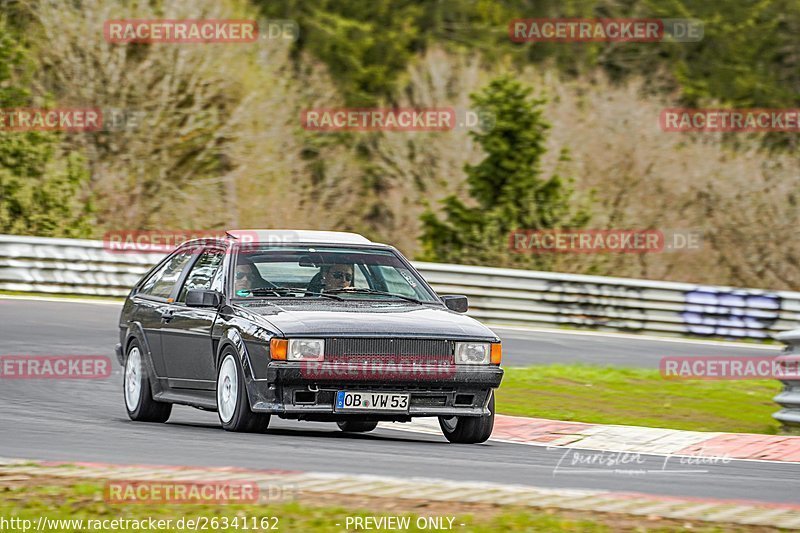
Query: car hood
[(366, 318)]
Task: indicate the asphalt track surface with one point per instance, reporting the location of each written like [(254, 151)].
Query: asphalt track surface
[(86, 421)]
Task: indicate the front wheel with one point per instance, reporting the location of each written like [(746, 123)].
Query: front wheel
[(139, 400), (232, 405), (356, 426), (468, 429)]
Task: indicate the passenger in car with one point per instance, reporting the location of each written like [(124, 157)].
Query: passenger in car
[(247, 277)]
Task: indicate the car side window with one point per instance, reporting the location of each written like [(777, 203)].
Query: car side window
[(202, 273), (161, 283)]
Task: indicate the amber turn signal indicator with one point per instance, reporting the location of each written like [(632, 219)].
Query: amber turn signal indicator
[(497, 353), (278, 349)]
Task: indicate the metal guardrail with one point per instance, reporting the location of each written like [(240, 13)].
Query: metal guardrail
[(69, 266), (497, 295), (789, 397)]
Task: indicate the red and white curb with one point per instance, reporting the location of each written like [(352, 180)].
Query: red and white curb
[(632, 439), (439, 490)]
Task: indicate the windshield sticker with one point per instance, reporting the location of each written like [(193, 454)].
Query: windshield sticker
[(408, 278)]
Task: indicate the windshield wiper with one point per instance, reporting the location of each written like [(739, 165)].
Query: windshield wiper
[(280, 291), (373, 291)]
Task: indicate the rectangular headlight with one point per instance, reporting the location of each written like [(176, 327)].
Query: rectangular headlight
[(306, 350), (473, 353)]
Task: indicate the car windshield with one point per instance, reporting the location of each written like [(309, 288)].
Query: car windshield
[(329, 272)]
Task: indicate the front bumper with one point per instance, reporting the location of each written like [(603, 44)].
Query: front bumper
[(308, 391)]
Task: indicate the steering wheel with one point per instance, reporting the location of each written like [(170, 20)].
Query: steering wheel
[(249, 292)]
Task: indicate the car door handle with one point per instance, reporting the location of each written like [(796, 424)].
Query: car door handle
[(166, 315)]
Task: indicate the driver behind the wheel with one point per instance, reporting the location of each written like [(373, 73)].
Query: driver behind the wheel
[(337, 276)]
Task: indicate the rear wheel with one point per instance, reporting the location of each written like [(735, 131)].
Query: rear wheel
[(468, 429), (356, 426), (232, 405), (139, 400)]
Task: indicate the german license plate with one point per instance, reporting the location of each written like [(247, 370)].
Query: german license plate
[(371, 401)]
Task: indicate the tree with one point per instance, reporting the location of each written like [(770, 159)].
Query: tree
[(365, 44), (41, 189), (506, 189)]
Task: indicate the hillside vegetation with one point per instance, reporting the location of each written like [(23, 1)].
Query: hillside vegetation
[(214, 137)]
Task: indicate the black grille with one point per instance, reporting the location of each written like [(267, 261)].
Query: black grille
[(428, 401), (421, 351)]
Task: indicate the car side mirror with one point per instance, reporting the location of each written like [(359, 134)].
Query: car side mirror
[(203, 298), (456, 303)]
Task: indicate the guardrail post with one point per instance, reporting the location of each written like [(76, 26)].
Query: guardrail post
[(789, 397)]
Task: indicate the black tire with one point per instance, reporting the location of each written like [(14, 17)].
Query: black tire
[(243, 420), (146, 409), (356, 426), (469, 429)]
